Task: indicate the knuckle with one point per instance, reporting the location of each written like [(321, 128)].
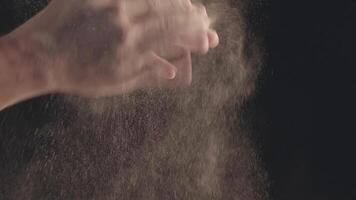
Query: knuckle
[(200, 8)]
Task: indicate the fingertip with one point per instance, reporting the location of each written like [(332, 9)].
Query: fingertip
[(166, 70), (213, 38), (162, 68), (200, 44), (168, 73)]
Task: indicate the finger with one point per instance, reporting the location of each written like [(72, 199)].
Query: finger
[(150, 78), (213, 38), (159, 66), (155, 75), (178, 29), (138, 8), (169, 47), (164, 47), (155, 27), (184, 66), (184, 73), (197, 44)]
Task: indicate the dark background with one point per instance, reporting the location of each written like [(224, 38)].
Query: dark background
[(307, 99), (304, 108)]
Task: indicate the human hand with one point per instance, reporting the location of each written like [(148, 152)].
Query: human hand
[(107, 47)]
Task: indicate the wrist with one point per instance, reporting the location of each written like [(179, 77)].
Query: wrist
[(24, 71)]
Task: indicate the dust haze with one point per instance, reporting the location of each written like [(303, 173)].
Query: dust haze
[(184, 143)]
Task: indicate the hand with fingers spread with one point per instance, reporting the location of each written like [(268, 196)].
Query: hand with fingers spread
[(108, 47)]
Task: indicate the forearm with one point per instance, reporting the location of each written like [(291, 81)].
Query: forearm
[(21, 76)]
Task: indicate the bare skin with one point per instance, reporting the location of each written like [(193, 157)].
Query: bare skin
[(103, 47)]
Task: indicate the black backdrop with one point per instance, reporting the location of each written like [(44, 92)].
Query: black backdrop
[(304, 109), (307, 99)]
